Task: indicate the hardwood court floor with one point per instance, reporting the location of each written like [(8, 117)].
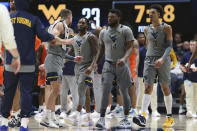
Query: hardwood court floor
[(153, 124)]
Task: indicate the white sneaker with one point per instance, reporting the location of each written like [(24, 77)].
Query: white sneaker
[(44, 121), (52, 124), (147, 113), (84, 116), (194, 115), (87, 123), (110, 115), (116, 109), (133, 112), (56, 121), (69, 121), (72, 121), (189, 114), (117, 112), (95, 114), (54, 118), (101, 123), (62, 123), (181, 110), (156, 114), (47, 121), (39, 116), (73, 114), (83, 111), (124, 124), (63, 115), (74, 118)]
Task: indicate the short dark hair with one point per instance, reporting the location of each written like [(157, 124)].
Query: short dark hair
[(65, 13), (158, 7), (116, 11), (87, 22), (140, 34)]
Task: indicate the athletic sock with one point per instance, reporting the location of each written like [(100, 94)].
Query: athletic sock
[(168, 103), (48, 114), (146, 102)]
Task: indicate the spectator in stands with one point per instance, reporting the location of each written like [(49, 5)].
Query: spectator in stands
[(186, 46), (177, 44), (190, 82)]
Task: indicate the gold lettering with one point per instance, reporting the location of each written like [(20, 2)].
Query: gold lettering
[(24, 21), (13, 20)]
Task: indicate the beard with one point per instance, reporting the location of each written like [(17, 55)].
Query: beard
[(113, 24), (81, 29)]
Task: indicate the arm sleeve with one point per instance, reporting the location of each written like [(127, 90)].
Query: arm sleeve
[(42, 34), (129, 34), (6, 29), (173, 57), (168, 45)]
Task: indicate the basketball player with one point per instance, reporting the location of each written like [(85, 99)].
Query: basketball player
[(53, 66), (85, 45), (157, 62), (116, 41), (133, 64)]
